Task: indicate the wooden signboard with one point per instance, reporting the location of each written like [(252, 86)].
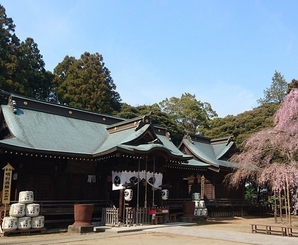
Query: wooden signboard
[(7, 183), (202, 186)]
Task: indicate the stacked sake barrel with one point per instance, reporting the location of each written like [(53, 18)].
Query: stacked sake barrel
[(200, 207), (24, 214)]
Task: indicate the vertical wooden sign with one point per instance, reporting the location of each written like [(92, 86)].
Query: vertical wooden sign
[(202, 187), (7, 183)]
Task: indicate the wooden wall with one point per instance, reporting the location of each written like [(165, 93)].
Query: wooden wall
[(52, 180)]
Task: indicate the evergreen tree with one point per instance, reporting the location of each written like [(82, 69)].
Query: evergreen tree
[(36, 80), (192, 115), (277, 91), (9, 45), (292, 85), (157, 117), (242, 125), (86, 83), (21, 65)]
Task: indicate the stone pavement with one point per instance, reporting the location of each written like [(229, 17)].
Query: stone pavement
[(259, 239), (179, 228)]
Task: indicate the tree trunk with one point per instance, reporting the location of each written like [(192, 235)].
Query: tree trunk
[(286, 201), (280, 204), (289, 204)]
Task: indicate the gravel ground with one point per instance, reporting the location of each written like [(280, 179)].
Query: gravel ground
[(223, 231)]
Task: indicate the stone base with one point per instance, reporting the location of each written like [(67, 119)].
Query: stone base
[(80, 229)]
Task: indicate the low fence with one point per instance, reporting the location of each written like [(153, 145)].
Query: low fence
[(110, 216), (132, 216), (142, 216)]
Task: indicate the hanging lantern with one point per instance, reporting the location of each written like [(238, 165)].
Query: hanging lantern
[(128, 194), (165, 194)]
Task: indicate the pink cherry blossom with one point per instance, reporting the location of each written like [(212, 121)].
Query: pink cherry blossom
[(269, 157)]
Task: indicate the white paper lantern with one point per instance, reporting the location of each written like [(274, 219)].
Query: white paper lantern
[(165, 194), (128, 193)]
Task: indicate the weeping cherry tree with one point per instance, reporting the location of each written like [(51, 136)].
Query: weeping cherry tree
[(270, 157)]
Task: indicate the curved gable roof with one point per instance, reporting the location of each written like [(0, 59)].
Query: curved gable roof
[(132, 141), (34, 127), (202, 149), (221, 146)]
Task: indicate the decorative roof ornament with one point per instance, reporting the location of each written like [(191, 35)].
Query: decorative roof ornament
[(145, 120)]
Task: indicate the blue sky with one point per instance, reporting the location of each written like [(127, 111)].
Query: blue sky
[(223, 52)]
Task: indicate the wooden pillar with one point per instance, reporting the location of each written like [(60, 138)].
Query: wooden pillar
[(138, 186), (153, 177), (146, 185), (121, 204)]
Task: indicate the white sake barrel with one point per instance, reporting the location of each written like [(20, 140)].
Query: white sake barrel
[(196, 204), (17, 210), (37, 222), (198, 212), (201, 204), (24, 223), (26, 197), (195, 196), (204, 211), (32, 209), (10, 223)]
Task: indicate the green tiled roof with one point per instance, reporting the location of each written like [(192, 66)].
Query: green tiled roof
[(121, 141), (197, 163), (169, 144), (53, 133), (39, 131), (221, 147), (207, 152), (47, 128), (116, 139)]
